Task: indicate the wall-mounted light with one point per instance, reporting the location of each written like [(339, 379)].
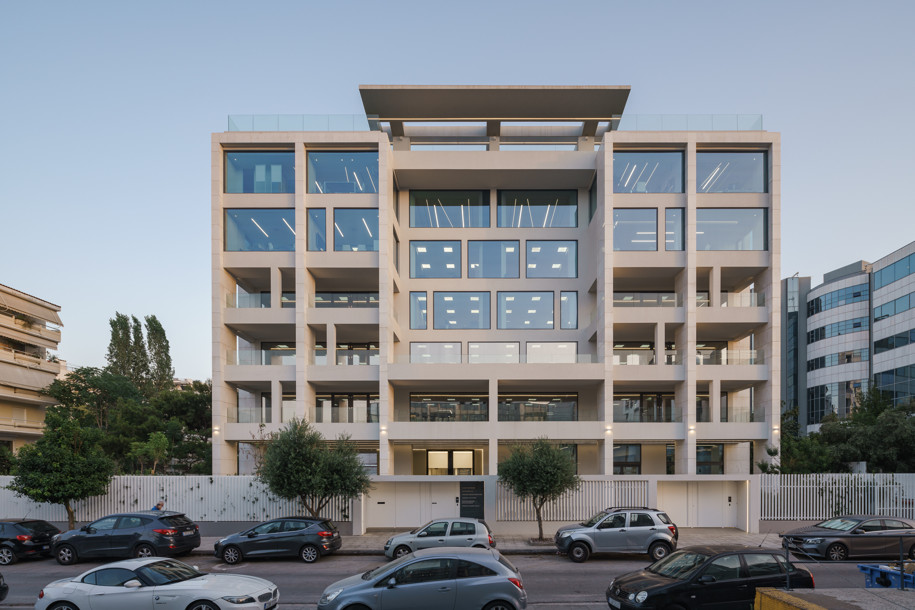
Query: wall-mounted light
[(692, 429), (215, 430), (608, 430)]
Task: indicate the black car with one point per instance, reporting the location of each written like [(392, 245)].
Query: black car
[(304, 537), (853, 536), (147, 533), (705, 577), (21, 538), (4, 588)]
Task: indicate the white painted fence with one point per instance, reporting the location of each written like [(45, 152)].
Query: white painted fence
[(591, 497), (821, 496), (201, 498)]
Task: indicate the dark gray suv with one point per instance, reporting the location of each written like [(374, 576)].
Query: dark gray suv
[(619, 530)]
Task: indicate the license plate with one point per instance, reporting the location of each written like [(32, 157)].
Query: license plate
[(613, 602), (187, 533), (45, 548)]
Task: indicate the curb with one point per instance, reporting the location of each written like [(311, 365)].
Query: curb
[(513, 551)]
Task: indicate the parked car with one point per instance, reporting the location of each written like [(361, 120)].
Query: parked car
[(705, 577), (853, 536), (166, 584), (619, 530), (4, 588), (304, 537), (454, 578), (21, 538), (440, 533), (145, 533)]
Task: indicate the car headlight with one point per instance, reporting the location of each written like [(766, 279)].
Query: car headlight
[(388, 543), (329, 597), (814, 540), (239, 599), (222, 541), (641, 596)]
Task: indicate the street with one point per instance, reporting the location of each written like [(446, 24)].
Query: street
[(552, 581)]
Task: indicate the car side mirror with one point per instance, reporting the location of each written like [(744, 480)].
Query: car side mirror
[(422, 534), (252, 534), (707, 578), (392, 582), (133, 583), (859, 531), (85, 528)]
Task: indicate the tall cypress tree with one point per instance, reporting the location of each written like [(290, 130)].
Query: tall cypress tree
[(119, 345), (139, 357), (160, 359)]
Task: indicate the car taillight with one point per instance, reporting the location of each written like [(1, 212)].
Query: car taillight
[(41, 594), (813, 584), (167, 532), (326, 534), (673, 530), (490, 540), (23, 538), (517, 582)]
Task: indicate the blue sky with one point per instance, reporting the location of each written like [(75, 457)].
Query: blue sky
[(106, 111)]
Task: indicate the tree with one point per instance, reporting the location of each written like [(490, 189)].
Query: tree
[(161, 373), (93, 393), (153, 450), (7, 459), (799, 454), (139, 357), (149, 368), (541, 472), (297, 463), (65, 465), (119, 345)]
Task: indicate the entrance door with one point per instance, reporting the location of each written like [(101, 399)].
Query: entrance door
[(472, 499)]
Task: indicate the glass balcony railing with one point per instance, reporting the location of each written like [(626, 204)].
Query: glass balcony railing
[(287, 300), (366, 413), (743, 299), (729, 357), (346, 300), (248, 301), (357, 357), (691, 122), (633, 357), (435, 411), (267, 357), (737, 414), (647, 299), (427, 358), (649, 414), (298, 122), (702, 299)]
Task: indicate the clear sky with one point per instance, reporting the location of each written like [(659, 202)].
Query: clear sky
[(106, 111)]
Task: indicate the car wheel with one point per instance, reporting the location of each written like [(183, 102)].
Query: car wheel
[(203, 605), (66, 555), (64, 606), (658, 550), (479, 546), (231, 555), (579, 552), (837, 552), (309, 553), (357, 607), (401, 551), (7, 556), (144, 550), (912, 552), (498, 605)]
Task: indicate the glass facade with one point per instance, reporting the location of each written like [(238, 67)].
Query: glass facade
[(435, 259), (846, 357), (435, 353), (673, 229), (552, 259), (899, 383), (449, 209), (845, 327), (647, 172), (342, 172), (732, 172), (260, 230), (525, 310), (346, 408), (493, 352), (836, 398), (317, 229), (731, 229), (538, 407), (837, 298), (356, 230), (260, 172), (461, 310), (898, 270), (709, 459), (449, 407), (568, 310), (552, 352), (896, 306), (418, 311), (635, 229), (627, 459), (498, 259), (538, 209), (902, 339), (645, 407), (346, 300)]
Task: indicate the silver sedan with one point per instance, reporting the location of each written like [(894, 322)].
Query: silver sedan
[(136, 583)]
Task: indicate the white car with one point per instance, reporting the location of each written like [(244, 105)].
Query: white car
[(136, 583)]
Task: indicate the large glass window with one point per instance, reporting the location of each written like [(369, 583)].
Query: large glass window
[(627, 459), (418, 310), (552, 352), (491, 352), (259, 229), (648, 172), (731, 172), (538, 407), (461, 310), (449, 407), (356, 230), (525, 310), (260, 172), (435, 259), (837, 298), (709, 459), (673, 229), (343, 172), (346, 408), (538, 209), (896, 271), (435, 353), (646, 407), (449, 209), (493, 259), (552, 258), (317, 229), (731, 229), (568, 310), (635, 229)]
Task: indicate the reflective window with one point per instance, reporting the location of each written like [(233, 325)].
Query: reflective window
[(260, 172), (461, 310), (343, 172), (552, 258), (552, 352), (627, 459), (898, 270), (673, 229), (346, 408), (525, 310), (837, 298), (449, 209), (317, 230), (538, 209), (418, 310), (493, 259), (894, 307), (568, 310), (710, 460), (435, 259), (731, 229), (731, 172), (356, 230), (449, 407), (592, 200), (493, 353), (435, 353), (255, 230), (843, 327), (648, 172), (898, 340), (635, 229), (538, 407)]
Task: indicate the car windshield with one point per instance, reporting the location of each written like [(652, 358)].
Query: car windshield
[(595, 519), (383, 567), (39, 527), (840, 524), (167, 572), (679, 565)]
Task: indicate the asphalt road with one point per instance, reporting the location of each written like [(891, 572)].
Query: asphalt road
[(552, 582)]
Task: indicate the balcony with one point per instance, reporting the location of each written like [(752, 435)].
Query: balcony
[(348, 357), (729, 357), (647, 299), (476, 358), (654, 414), (345, 300), (261, 357), (449, 411)]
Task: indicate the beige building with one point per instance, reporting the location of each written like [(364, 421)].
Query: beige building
[(468, 268), (29, 328)]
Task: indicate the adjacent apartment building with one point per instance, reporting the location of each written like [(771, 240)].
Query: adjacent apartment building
[(468, 268), (29, 331), (854, 331)]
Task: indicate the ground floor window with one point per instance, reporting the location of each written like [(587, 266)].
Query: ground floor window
[(709, 459), (627, 459)]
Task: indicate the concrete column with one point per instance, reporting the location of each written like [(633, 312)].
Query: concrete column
[(493, 458), (492, 465), (714, 287), (357, 514), (276, 401), (276, 288), (659, 352), (331, 344), (714, 400)]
